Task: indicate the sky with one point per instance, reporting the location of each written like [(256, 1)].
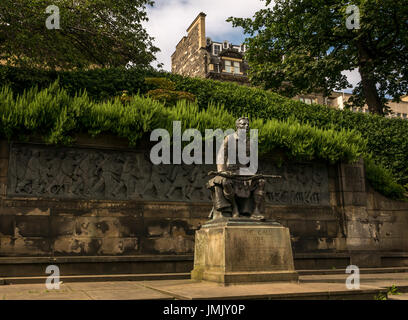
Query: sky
[(169, 20)]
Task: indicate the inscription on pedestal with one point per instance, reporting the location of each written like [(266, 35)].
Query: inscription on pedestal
[(266, 246)]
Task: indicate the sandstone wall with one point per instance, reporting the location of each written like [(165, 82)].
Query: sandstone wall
[(102, 198), (190, 57)]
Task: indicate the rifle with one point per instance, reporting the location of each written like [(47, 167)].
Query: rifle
[(242, 178)]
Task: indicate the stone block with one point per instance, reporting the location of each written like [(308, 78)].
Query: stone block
[(353, 177), (62, 226), (366, 260), (3, 167), (29, 246), (32, 226), (4, 149), (130, 226), (158, 210), (167, 236), (239, 250), (99, 227), (6, 225), (66, 245), (332, 228), (355, 198)]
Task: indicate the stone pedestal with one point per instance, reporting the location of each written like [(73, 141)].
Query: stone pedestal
[(243, 250)]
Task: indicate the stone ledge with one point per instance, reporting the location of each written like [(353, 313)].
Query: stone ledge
[(242, 277), (96, 259)]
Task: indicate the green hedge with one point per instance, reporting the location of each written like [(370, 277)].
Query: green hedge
[(387, 139), (382, 180), (56, 116), (100, 84)]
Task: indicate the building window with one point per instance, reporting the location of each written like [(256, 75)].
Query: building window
[(232, 67), (225, 45), (236, 68), (228, 67), (216, 49), (308, 101), (404, 115)]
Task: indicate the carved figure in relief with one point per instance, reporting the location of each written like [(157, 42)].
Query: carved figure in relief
[(197, 181), (178, 181)]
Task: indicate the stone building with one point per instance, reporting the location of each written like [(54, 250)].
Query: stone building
[(338, 100), (198, 56)]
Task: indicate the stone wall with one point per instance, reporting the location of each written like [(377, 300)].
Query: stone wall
[(100, 198)]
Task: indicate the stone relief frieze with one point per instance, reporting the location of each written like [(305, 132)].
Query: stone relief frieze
[(84, 173)]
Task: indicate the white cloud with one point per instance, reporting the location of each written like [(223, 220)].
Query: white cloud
[(353, 77), (169, 20)]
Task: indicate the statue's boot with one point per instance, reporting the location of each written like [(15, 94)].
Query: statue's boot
[(220, 203), (256, 214), (217, 214), (235, 212)]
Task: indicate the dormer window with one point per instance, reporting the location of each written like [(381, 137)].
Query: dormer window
[(216, 49), (243, 48), (225, 45)]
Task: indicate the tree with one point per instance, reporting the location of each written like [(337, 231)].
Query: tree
[(105, 33), (303, 46)]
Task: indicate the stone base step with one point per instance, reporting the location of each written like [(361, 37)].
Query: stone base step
[(402, 296), (188, 290), (97, 278), (362, 271), (338, 276), (134, 266)]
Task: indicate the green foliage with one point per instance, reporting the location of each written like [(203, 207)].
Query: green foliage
[(100, 84), (382, 180), (386, 138), (161, 83), (393, 290), (166, 91), (55, 116), (298, 46), (381, 296), (170, 97), (92, 33)]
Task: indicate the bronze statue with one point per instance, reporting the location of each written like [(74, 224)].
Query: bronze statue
[(235, 195)]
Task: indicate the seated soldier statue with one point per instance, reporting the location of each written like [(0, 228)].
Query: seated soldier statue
[(233, 194)]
